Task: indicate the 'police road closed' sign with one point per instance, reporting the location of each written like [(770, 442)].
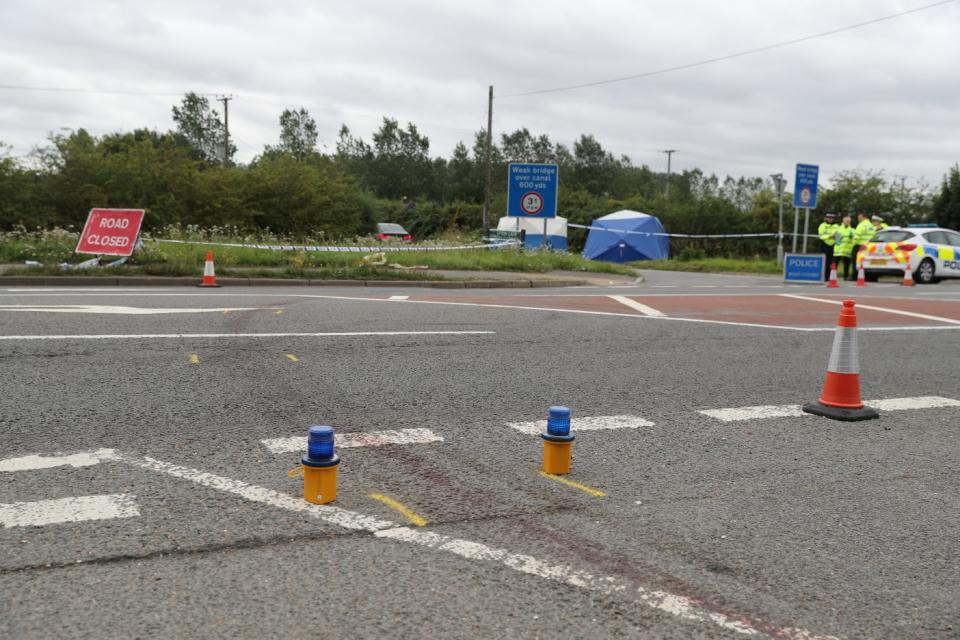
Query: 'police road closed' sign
[(800, 267), (110, 232)]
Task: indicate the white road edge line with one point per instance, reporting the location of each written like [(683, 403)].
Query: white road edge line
[(637, 306), (738, 414), (349, 440), (596, 423), (35, 462), (910, 314), (63, 510), (676, 605), (398, 298), (343, 334)]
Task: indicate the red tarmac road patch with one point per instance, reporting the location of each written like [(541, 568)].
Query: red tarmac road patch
[(773, 309)]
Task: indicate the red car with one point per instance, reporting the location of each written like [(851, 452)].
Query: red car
[(391, 231)]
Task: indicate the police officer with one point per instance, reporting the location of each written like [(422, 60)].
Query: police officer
[(842, 250), (826, 231), (862, 234), (879, 224)]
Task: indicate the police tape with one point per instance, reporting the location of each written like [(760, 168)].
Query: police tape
[(689, 235), (335, 249)]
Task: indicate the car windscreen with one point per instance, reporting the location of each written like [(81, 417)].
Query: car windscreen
[(389, 227), (893, 236)]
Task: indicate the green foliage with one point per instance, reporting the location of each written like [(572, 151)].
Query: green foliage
[(946, 206), (689, 254), (202, 128), (298, 134)]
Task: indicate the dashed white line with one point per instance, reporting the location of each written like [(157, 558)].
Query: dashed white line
[(637, 306), (63, 510), (398, 298), (595, 423), (737, 414), (83, 459), (349, 440)]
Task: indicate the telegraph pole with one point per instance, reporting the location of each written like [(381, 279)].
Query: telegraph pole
[(226, 128), (669, 153), (778, 178), (487, 169)]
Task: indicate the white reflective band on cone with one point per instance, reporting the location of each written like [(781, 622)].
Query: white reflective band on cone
[(843, 356), (208, 268)]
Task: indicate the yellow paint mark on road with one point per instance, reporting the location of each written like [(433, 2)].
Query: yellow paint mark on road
[(576, 485), (279, 311), (194, 358), (293, 358), (226, 311), (400, 508)]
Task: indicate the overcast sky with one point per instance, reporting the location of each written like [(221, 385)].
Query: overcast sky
[(882, 97)]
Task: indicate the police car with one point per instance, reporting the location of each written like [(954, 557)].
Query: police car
[(930, 252)]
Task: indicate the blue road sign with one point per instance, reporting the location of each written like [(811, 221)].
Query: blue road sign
[(532, 190), (805, 186), (800, 267)]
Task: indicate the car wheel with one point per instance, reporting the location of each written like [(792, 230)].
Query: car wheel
[(924, 273)]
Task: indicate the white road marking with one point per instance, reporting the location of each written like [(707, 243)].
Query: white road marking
[(399, 298), (905, 404), (124, 311), (794, 411), (350, 440), (62, 510), (344, 334), (637, 306), (755, 413), (253, 493), (83, 459), (676, 605), (596, 423), (898, 312)]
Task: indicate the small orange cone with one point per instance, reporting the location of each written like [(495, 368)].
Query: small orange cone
[(907, 277), (840, 399), (209, 278), (861, 277), (833, 284)]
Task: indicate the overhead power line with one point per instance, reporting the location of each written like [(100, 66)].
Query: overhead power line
[(15, 87), (731, 56)]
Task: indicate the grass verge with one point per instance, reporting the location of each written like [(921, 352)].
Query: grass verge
[(712, 265)]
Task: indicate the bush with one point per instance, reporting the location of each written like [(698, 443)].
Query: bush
[(690, 253)]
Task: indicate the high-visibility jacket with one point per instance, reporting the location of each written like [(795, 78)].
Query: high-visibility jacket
[(844, 237), (881, 226), (826, 231), (864, 232)]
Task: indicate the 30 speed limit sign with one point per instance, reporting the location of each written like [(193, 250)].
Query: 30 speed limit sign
[(531, 203)]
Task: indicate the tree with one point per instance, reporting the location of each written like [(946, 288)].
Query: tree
[(401, 161), (298, 133), (202, 128), (946, 206)]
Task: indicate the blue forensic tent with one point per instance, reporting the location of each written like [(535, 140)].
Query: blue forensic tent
[(608, 242)]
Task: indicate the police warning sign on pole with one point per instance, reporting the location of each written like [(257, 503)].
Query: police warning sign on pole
[(110, 232), (532, 190), (805, 186)]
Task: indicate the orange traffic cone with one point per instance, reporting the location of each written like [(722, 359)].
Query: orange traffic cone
[(209, 278), (907, 277), (833, 284), (861, 277), (840, 399)]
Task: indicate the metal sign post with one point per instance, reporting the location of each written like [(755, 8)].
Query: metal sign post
[(796, 227)]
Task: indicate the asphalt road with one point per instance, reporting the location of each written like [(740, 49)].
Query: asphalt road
[(188, 525)]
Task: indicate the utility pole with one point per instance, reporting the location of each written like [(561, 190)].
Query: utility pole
[(669, 153), (226, 128), (778, 178), (487, 162)]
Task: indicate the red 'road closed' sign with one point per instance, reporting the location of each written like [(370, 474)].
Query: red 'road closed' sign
[(110, 232)]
